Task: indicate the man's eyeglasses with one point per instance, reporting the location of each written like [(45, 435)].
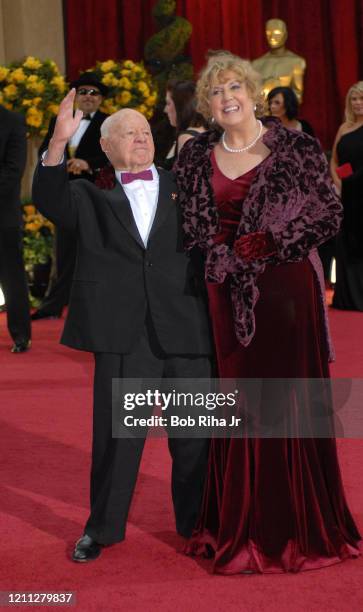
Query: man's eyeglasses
[(88, 92)]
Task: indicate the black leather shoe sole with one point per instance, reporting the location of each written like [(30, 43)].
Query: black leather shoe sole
[(86, 550), (21, 347)]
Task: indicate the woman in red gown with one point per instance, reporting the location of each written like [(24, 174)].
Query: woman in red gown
[(257, 200)]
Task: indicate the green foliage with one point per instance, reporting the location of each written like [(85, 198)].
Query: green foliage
[(38, 237), (164, 50), (169, 42), (164, 9)]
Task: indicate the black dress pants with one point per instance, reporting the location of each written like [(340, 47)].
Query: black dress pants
[(14, 284), (115, 461), (59, 289)]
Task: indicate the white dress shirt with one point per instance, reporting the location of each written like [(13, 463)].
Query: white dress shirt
[(143, 198), (76, 138)]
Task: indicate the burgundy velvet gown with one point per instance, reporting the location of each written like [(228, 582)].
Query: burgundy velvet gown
[(271, 504)]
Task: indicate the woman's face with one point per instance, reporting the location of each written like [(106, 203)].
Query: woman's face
[(231, 104), (169, 109), (277, 105), (356, 102)]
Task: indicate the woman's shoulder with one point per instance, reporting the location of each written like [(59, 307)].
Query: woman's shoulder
[(191, 132), (206, 138), (346, 128), (299, 136), (288, 140), (199, 145), (301, 142), (307, 149), (295, 147)]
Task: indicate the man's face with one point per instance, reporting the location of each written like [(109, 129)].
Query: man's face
[(129, 144), (88, 98)]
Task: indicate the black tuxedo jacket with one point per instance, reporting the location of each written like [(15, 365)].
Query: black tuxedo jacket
[(89, 147), (12, 164), (116, 279)]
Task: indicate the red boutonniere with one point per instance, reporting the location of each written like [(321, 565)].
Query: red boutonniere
[(106, 178)]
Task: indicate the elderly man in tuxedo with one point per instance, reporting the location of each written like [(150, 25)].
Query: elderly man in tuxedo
[(136, 303), (12, 273), (84, 159)]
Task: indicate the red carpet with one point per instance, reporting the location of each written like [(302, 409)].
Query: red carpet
[(45, 415)]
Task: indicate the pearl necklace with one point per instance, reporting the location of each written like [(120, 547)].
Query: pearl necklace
[(242, 149)]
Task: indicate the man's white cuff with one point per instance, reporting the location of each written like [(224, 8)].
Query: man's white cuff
[(42, 158)]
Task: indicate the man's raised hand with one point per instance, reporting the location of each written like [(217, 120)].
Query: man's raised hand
[(66, 125)]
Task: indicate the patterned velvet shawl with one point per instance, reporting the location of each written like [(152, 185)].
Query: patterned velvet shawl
[(292, 196)]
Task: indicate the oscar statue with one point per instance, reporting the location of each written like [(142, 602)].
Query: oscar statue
[(279, 66)]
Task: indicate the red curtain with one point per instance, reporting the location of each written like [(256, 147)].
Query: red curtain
[(328, 33), (236, 25), (115, 28)]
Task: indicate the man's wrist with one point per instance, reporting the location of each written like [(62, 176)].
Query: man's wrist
[(55, 152), (45, 161)]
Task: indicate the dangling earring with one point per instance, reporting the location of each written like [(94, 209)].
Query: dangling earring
[(255, 107), (212, 120)]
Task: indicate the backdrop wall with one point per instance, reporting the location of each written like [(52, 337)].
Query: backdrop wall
[(328, 33)]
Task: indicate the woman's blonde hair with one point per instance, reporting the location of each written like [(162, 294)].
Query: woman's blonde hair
[(218, 63), (356, 88)]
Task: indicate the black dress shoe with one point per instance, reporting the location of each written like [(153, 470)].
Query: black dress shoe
[(86, 549), (42, 314), (21, 347)]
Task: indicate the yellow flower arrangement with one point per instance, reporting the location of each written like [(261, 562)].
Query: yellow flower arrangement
[(17, 76), (32, 63), (34, 117), (10, 92), (33, 88), (108, 66), (38, 237), (130, 86), (3, 73)]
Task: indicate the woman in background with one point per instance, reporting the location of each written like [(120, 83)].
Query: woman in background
[(257, 200), (180, 107), (283, 104), (347, 171)]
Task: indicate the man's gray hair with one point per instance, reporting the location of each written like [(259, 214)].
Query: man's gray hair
[(115, 119), (109, 124)]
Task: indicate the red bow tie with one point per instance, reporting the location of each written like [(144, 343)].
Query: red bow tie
[(128, 177)]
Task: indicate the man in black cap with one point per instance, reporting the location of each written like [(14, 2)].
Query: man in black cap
[(84, 158)]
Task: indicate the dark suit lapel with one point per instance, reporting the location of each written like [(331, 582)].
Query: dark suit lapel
[(167, 196), (120, 205)]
